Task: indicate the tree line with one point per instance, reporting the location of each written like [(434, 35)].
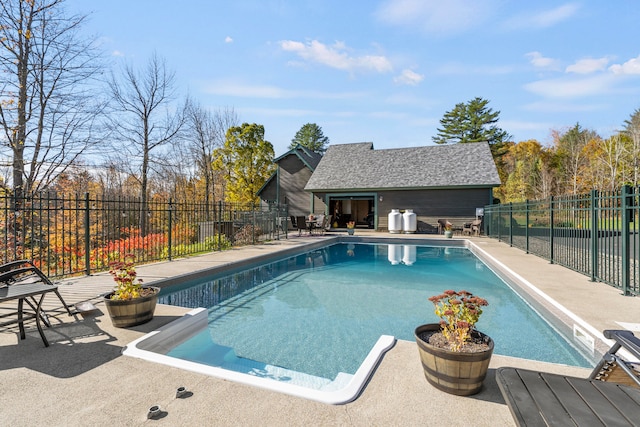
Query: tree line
[(577, 161), (70, 123)]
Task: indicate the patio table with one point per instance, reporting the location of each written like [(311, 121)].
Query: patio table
[(316, 224), (22, 293)]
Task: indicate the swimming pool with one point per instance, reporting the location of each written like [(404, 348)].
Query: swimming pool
[(285, 320)]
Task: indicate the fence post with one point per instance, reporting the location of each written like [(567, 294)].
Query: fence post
[(626, 205), (253, 230), (497, 222), (526, 225), (87, 236), (170, 237), (510, 224), (551, 231), (595, 234), (276, 213), (220, 225)]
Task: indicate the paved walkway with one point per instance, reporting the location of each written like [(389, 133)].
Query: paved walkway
[(83, 380)]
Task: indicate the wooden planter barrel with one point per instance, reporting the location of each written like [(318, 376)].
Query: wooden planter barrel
[(453, 372), (125, 313)]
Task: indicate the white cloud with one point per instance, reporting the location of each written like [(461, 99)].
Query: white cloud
[(117, 53), (463, 69), (562, 107), (569, 88), (436, 16), (552, 17), (228, 39), (544, 19), (388, 115), (632, 66), (336, 56), (239, 89), (539, 61), (409, 77), (588, 65)]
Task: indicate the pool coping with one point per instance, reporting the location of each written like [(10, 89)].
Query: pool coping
[(193, 320), (196, 318)]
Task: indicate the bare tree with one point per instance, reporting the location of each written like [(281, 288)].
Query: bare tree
[(47, 108), (632, 130), (570, 150), (206, 132), (143, 121)]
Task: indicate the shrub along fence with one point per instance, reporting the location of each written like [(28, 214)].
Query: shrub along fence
[(595, 234), (80, 234)]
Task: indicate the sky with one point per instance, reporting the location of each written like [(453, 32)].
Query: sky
[(387, 71)]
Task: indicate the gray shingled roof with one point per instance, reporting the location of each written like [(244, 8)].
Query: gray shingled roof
[(310, 158), (360, 167)]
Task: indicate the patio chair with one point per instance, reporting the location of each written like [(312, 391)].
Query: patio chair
[(23, 281), (466, 228), (472, 227), (476, 226), (442, 225), (541, 399), (325, 225), (317, 226), (301, 224)]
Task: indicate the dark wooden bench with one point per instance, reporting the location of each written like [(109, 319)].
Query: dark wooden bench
[(544, 399), (24, 282)]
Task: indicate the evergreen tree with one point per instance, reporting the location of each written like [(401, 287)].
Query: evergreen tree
[(311, 137), (471, 122)]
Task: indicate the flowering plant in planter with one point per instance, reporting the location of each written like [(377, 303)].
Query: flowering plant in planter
[(128, 285), (458, 312), (351, 224), (130, 303)]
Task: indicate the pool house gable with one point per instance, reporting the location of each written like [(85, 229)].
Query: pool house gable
[(286, 184)]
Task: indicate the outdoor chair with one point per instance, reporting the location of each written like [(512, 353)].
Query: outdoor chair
[(476, 226), (317, 226), (301, 224), (325, 225), (544, 399), (442, 225), (23, 281), (466, 228), (472, 227)]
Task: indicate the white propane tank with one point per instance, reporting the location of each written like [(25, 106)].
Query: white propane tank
[(395, 221), (409, 221)]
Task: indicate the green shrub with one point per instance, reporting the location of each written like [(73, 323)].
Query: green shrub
[(219, 241)]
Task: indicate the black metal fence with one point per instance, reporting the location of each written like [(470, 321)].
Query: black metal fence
[(595, 234), (80, 234)]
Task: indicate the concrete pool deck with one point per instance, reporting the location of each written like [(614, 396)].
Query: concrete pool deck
[(82, 378)]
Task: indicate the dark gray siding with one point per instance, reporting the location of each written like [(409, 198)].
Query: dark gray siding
[(457, 206), (293, 177)]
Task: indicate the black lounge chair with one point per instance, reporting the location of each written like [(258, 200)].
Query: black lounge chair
[(23, 281), (603, 399)]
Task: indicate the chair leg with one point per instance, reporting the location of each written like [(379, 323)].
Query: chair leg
[(64, 304), (39, 310)]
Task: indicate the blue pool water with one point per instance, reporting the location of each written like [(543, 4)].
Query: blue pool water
[(320, 313)]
